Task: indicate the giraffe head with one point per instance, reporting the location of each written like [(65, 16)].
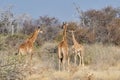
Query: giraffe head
[(39, 30), (64, 26)]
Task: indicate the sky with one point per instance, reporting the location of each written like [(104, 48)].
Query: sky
[(64, 10)]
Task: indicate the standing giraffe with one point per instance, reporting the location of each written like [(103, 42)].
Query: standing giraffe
[(27, 47), (78, 50), (63, 49)]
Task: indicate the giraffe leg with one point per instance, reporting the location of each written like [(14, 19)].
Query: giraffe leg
[(31, 63), (19, 56), (60, 57), (59, 64), (68, 63), (82, 57), (79, 59), (75, 59), (63, 64), (31, 58), (82, 61)]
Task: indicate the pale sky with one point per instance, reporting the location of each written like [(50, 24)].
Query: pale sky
[(64, 10)]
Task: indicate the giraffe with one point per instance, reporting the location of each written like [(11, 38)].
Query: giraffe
[(63, 49), (27, 47), (78, 50)]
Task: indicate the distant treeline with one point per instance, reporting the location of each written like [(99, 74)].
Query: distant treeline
[(93, 26)]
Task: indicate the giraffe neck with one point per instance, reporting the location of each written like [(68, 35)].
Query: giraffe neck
[(33, 37), (74, 40), (64, 35)]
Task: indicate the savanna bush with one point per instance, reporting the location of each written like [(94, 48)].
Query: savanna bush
[(101, 56), (48, 54)]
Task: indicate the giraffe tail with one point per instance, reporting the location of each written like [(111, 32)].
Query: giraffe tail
[(17, 53)]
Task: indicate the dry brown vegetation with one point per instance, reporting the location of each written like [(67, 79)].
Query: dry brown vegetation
[(102, 62), (98, 31)]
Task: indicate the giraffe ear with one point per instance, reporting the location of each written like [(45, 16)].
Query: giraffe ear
[(63, 23), (38, 27)]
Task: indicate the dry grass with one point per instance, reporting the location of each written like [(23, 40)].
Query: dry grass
[(102, 56), (101, 65), (102, 62)]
